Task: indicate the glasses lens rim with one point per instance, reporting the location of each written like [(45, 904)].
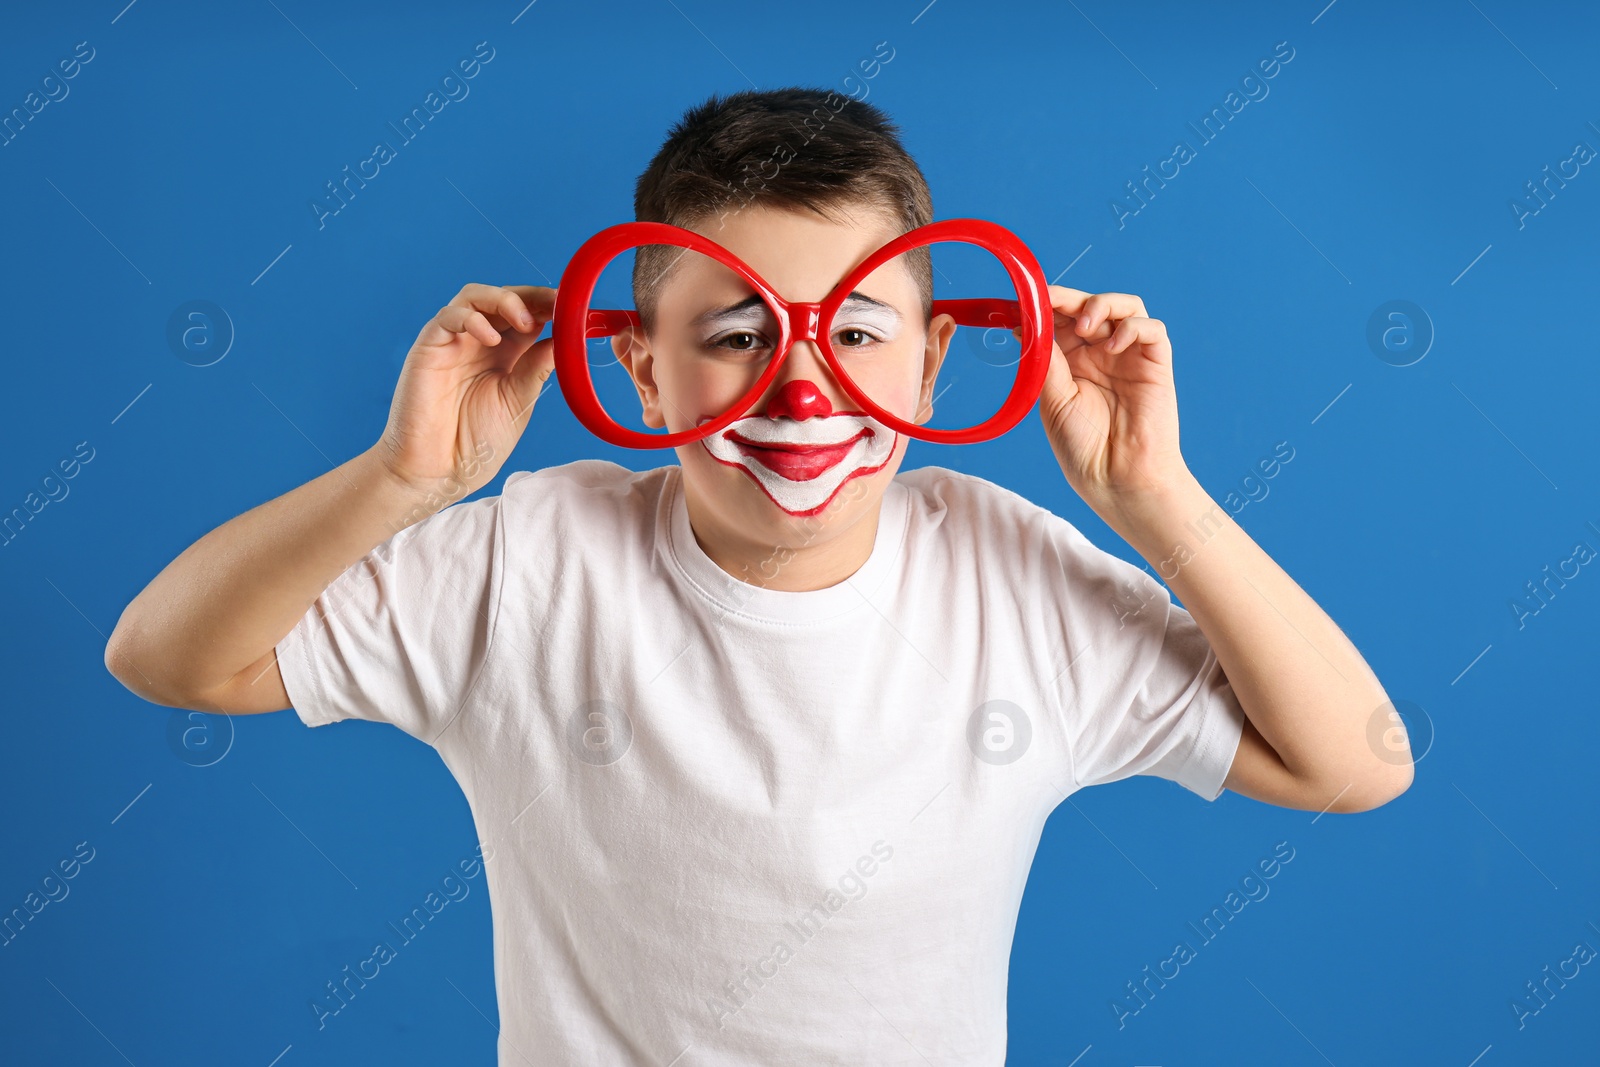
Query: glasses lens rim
[(687, 240), (1019, 263), (927, 237)]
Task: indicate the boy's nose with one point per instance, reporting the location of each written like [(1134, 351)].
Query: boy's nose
[(798, 399)]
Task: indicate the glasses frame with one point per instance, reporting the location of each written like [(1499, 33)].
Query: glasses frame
[(575, 323)]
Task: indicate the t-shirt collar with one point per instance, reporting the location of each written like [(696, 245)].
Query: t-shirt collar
[(733, 596)]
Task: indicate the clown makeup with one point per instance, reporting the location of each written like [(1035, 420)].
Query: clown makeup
[(765, 479), (880, 323), (801, 457), (800, 465)]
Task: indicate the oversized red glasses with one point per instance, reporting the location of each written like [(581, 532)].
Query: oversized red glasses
[(1025, 309)]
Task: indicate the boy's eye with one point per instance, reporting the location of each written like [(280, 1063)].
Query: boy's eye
[(739, 341), (851, 337), (748, 341)]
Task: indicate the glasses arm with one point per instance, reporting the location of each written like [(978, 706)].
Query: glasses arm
[(606, 323), (983, 311)]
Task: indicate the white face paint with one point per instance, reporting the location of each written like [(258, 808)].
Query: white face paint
[(801, 464)]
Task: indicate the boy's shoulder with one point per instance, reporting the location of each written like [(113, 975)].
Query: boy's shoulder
[(945, 482), (944, 494), (986, 519), (581, 474), (585, 485), (937, 493), (941, 501), (587, 504)]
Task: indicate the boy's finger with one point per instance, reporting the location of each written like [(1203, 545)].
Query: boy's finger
[(514, 311), (456, 319), (1075, 305), (538, 300), (499, 305), (1066, 300), (1092, 309), (1107, 307)]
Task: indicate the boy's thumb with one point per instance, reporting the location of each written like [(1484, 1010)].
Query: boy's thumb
[(528, 377)]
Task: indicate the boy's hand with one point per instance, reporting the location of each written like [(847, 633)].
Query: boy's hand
[(1108, 404), (468, 388)]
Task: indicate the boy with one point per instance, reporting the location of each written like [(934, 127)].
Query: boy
[(759, 745)]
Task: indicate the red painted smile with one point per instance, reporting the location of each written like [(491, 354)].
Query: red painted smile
[(796, 462)]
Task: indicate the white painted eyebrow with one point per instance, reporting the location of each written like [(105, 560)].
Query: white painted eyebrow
[(750, 308), (857, 303), (741, 312), (869, 311)]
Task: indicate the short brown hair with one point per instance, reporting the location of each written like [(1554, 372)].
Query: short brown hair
[(805, 148)]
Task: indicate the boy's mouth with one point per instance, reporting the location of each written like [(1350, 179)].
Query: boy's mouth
[(797, 462), (800, 464)]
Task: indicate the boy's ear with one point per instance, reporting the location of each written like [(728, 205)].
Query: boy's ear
[(940, 330), (636, 359)]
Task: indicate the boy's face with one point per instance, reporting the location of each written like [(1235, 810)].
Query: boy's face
[(803, 452)]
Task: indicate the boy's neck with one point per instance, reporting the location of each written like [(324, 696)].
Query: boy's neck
[(816, 558)]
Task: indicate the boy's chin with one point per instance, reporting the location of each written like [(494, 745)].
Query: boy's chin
[(775, 517), (847, 497), (785, 502)]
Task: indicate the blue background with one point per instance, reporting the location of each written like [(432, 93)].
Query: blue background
[(1381, 166)]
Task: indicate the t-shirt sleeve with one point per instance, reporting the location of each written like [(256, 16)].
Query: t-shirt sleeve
[(1143, 691), (401, 635)]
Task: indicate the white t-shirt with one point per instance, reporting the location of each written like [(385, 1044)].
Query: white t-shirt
[(733, 825)]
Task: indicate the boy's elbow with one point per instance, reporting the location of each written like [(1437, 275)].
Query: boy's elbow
[(120, 663), (1381, 789), (1398, 775), (1402, 781), (129, 664)]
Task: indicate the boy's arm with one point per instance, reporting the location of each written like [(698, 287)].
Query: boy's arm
[(1110, 410), (243, 586), (204, 633), (1309, 698)]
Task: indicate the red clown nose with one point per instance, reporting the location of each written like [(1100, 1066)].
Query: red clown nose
[(798, 399)]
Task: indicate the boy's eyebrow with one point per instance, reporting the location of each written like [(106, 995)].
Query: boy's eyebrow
[(712, 314), (856, 298)]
